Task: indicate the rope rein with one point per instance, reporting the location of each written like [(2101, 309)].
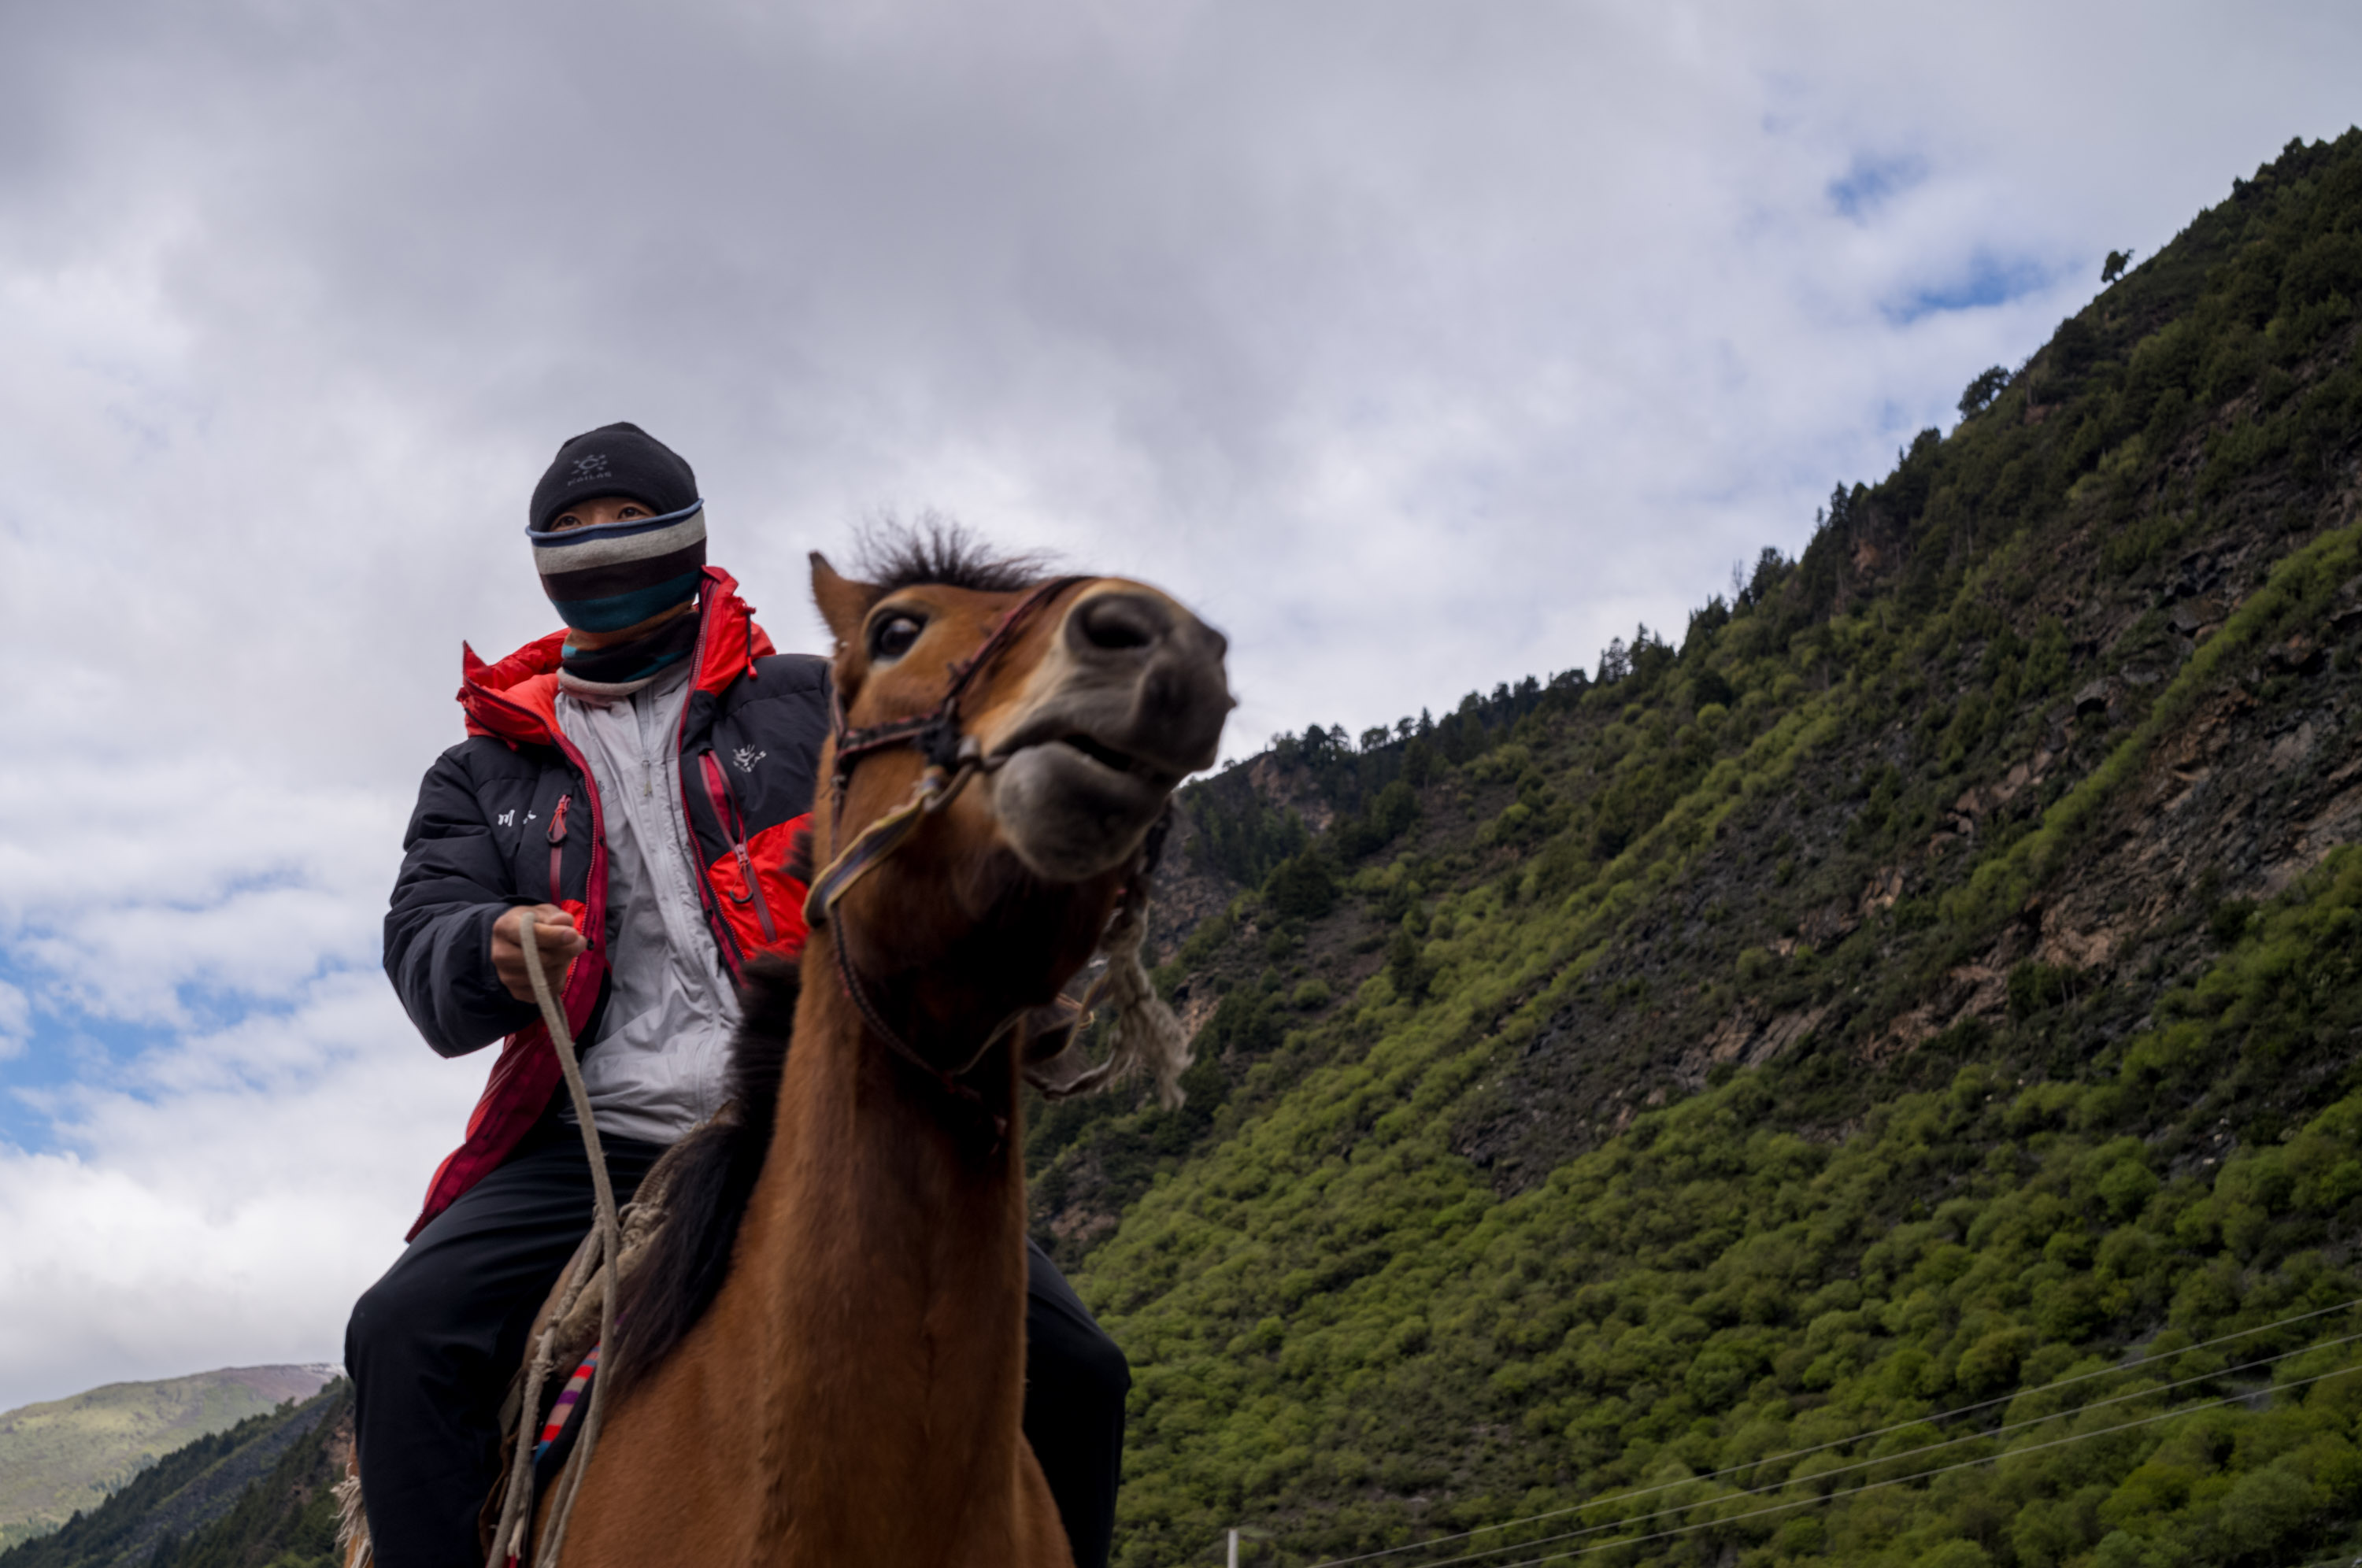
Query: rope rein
[(510, 1543)]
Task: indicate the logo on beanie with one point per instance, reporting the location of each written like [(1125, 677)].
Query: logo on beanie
[(614, 460)]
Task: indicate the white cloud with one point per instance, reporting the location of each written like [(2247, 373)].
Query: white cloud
[(1421, 346), (225, 1202), (15, 1020)]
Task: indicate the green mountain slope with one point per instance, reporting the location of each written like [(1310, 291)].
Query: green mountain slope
[(285, 1518), (254, 1493), (66, 1454), (1935, 977)]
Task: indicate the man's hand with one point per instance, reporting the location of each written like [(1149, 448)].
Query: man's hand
[(553, 933)]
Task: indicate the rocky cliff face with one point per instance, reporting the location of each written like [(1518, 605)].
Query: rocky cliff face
[(2247, 784)]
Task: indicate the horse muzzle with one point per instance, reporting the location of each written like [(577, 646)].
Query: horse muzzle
[(1131, 701)]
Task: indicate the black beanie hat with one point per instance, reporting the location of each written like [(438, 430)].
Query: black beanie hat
[(614, 460)]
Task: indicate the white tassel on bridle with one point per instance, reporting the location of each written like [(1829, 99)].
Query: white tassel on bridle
[(1148, 1038)]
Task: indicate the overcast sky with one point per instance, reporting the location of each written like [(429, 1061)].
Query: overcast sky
[(1420, 346)]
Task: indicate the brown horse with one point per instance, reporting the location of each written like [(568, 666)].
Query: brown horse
[(852, 1393)]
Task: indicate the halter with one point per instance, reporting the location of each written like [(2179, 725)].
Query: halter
[(952, 758)]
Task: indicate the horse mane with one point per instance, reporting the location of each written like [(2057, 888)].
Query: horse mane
[(709, 1178), (936, 548)]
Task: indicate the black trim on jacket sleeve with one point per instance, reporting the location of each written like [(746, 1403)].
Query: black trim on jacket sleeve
[(454, 882), (784, 711)]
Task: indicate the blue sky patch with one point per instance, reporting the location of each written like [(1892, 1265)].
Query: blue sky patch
[(1868, 184), (1984, 279), (64, 1052), (70, 1047)]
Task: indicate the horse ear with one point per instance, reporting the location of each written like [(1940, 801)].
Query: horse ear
[(843, 602)]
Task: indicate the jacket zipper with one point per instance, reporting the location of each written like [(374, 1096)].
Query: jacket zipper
[(726, 941), (733, 827), (557, 844)]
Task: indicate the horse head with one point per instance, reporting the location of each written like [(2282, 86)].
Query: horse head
[(1004, 748)]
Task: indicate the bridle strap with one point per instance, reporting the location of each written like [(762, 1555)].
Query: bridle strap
[(952, 758), (936, 734), (870, 847)]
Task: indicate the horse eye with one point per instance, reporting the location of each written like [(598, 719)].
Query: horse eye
[(893, 636)]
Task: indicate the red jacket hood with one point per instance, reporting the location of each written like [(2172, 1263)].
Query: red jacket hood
[(515, 699)]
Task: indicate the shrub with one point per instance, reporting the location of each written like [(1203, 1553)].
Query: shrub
[(1301, 887)]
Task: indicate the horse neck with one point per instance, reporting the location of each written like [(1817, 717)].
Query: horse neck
[(885, 1246)]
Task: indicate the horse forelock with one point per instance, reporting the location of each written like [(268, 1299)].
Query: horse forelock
[(939, 550)]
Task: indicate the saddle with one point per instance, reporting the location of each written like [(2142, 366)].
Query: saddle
[(573, 1351)]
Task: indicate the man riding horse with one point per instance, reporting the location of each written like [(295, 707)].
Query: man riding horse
[(635, 784)]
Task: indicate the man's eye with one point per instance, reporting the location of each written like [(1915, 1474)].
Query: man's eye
[(892, 637)]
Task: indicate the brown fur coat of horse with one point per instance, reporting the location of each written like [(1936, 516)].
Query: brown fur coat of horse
[(853, 1393)]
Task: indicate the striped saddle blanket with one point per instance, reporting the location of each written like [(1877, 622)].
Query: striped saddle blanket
[(565, 1422)]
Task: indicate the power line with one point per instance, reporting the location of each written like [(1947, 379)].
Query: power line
[(1906, 1453), (1860, 1437), (1852, 1491), (1909, 1452), (1899, 1480)]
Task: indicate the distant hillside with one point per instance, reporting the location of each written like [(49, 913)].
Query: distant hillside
[(1641, 1107), (68, 1454), (255, 1495)]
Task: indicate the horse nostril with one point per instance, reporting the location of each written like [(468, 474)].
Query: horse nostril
[(1119, 623)]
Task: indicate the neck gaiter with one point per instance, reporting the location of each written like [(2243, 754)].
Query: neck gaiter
[(615, 577)]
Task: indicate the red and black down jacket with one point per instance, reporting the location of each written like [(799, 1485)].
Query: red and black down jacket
[(510, 816)]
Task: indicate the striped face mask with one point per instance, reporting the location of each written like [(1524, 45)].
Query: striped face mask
[(618, 575)]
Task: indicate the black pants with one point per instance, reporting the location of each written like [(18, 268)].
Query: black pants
[(432, 1345)]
